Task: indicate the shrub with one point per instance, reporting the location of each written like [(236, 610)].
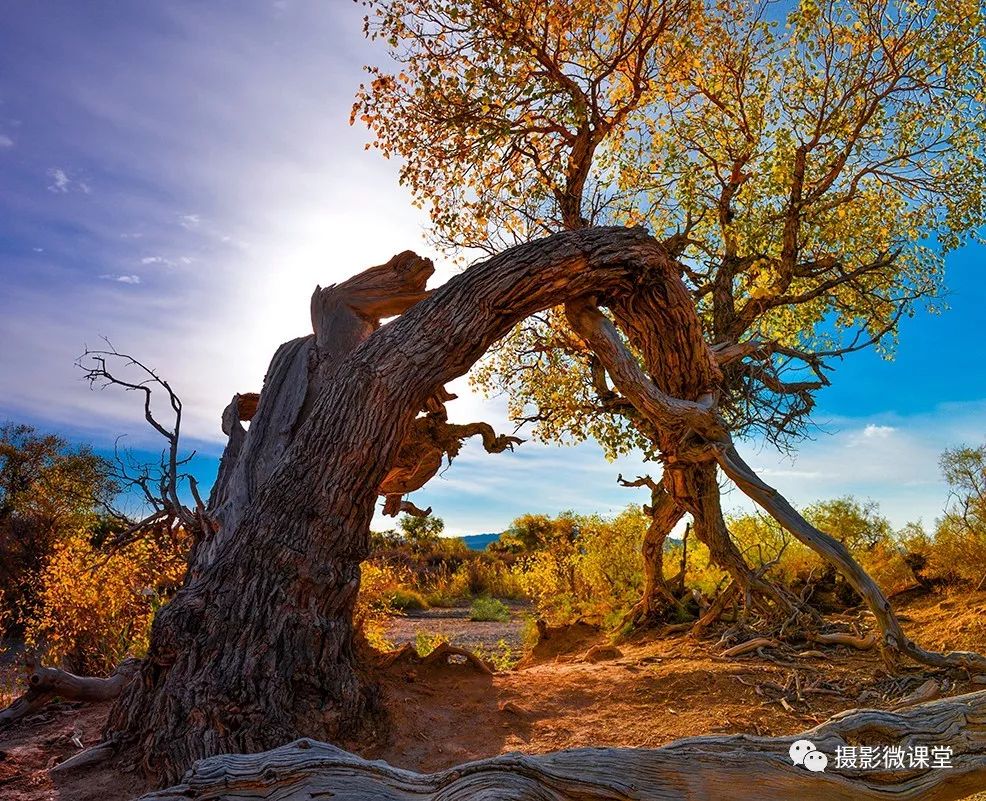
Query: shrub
[(406, 599), (375, 603), (48, 490), (427, 641), (592, 568), (489, 609), (95, 608), (502, 656), (959, 550)]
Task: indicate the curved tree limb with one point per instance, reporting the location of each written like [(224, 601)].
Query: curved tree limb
[(257, 647), (711, 768), (703, 436), (895, 642)]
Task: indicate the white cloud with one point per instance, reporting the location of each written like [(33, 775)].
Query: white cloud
[(6, 141), (189, 221), (122, 279), (873, 431), (62, 183), (156, 260), (60, 180)]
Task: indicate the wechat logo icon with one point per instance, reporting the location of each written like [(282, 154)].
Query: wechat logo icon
[(803, 752)]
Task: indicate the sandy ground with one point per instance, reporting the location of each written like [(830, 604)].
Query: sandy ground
[(455, 624), (648, 693)]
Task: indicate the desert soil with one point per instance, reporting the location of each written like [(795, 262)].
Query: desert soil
[(643, 694), (454, 623)]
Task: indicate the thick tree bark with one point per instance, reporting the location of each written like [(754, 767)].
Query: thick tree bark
[(343, 316), (659, 320), (256, 648), (737, 767)]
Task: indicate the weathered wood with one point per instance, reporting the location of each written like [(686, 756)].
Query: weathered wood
[(44, 684), (343, 316), (735, 767)]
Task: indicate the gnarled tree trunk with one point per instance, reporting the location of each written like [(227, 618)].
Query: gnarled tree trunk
[(256, 649), (659, 320)]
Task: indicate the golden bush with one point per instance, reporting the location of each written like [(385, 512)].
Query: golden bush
[(596, 574), (380, 584), (96, 608)]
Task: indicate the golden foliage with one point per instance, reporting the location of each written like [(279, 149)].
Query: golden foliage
[(95, 608), (596, 574), (379, 583), (819, 166)]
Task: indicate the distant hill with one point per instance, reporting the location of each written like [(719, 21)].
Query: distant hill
[(478, 542)]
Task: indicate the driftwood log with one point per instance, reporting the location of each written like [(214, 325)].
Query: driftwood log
[(735, 767)]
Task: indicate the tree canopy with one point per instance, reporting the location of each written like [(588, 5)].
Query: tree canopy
[(810, 172)]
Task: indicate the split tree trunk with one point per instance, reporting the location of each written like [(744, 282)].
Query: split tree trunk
[(737, 767), (659, 320), (696, 438)]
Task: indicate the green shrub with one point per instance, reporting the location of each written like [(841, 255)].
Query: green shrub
[(501, 656), (489, 609), (427, 641), (408, 600)]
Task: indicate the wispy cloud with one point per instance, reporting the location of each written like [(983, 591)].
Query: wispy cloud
[(62, 183), (872, 431), (6, 141), (122, 279), (59, 180), (189, 221)]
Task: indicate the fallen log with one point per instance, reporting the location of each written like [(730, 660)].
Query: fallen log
[(738, 767), (44, 684)]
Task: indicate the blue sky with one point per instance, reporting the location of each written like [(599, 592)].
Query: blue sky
[(178, 176)]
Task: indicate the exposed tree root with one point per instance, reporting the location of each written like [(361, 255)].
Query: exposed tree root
[(750, 645), (866, 643), (443, 653), (46, 683), (738, 767), (928, 691), (714, 612), (894, 643)]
